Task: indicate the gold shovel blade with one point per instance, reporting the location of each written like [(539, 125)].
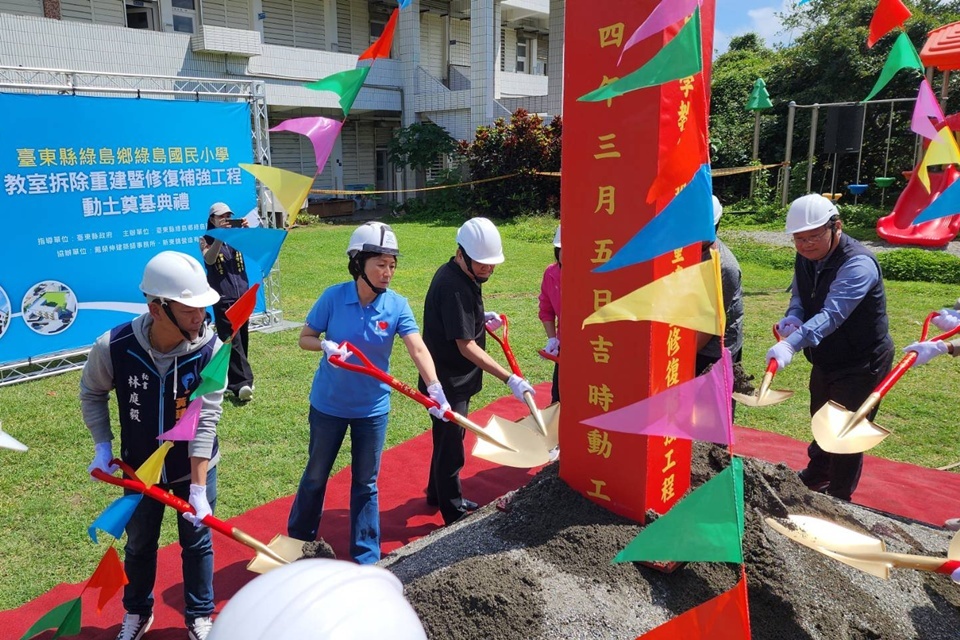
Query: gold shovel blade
[(530, 448), (771, 397), (830, 421), (551, 419), (833, 541), (284, 547)]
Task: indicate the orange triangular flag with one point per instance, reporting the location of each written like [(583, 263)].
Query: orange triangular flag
[(239, 312), (888, 15), (109, 577), (726, 617), (381, 48), (679, 164)]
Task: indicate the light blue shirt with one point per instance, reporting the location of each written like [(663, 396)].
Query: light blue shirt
[(339, 316), (855, 278)]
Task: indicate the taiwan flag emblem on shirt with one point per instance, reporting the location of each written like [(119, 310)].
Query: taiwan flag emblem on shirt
[(380, 327)]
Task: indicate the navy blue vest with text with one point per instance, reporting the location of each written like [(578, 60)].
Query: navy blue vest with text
[(149, 404), (864, 335)]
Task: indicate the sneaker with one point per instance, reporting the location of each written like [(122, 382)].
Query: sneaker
[(953, 524), (133, 626), (199, 628), (245, 394)]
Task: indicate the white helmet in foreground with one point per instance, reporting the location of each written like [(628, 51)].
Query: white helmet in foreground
[(373, 237), (171, 275), (717, 210), (319, 599), (809, 212), (556, 238), (480, 241)]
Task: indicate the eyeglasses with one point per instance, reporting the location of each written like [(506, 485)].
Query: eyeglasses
[(813, 238)]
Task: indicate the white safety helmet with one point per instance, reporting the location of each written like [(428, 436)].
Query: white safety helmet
[(556, 238), (717, 210), (319, 599), (373, 237), (171, 275), (809, 212), (480, 241)]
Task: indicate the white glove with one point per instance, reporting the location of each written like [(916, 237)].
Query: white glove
[(553, 346), (927, 351), (103, 454), (492, 320), (948, 320), (782, 352), (788, 325), (198, 500), (331, 348), (435, 391), (955, 576), (519, 386)]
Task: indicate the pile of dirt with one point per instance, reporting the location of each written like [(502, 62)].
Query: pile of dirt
[(543, 570)]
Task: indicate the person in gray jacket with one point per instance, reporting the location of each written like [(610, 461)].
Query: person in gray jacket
[(153, 364)]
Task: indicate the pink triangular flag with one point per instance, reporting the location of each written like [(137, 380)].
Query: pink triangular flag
[(698, 409), (663, 15), (322, 132), (186, 427), (925, 108)]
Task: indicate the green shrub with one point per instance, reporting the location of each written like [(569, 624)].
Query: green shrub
[(444, 206), (763, 255), (920, 265)]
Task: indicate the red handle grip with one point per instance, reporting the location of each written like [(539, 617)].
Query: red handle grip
[(505, 344), (548, 356), (908, 360)]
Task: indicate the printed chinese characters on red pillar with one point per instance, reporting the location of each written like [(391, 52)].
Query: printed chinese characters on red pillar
[(612, 149)]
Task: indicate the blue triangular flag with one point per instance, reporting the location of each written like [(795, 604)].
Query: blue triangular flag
[(259, 244), (687, 219), (115, 517), (946, 204)]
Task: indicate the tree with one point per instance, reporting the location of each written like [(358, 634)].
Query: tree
[(419, 145)]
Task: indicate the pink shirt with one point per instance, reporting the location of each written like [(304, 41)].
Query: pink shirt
[(550, 296)]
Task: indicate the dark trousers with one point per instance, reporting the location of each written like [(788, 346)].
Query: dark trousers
[(446, 463), (239, 373), (555, 390), (848, 387)]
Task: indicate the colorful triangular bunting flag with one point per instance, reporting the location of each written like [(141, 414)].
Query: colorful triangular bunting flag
[(687, 219), (150, 471), (942, 150), (65, 618), (241, 310), (903, 55), (726, 617), (381, 48), (925, 108), (666, 13), (259, 245), (109, 577), (706, 526), (345, 84), (213, 377), (678, 163), (114, 518), (291, 189), (186, 428), (688, 298), (946, 204), (679, 58), (888, 15), (322, 133)]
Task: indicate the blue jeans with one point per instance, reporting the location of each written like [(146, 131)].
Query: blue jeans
[(140, 562), (327, 432)]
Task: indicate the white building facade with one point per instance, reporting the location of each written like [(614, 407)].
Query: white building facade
[(459, 63)]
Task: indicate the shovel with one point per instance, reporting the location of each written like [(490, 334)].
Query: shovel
[(765, 396), (515, 367), (838, 430), (861, 551), (509, 447), (548, 356), (281, 550)]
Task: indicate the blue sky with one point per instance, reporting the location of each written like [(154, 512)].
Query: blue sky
[(736, 17)]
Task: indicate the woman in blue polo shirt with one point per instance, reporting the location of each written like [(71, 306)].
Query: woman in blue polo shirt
[(367, 314)]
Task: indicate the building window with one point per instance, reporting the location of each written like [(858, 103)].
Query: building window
[(521, 54), (503, 50), (142, 14), (184, 15)]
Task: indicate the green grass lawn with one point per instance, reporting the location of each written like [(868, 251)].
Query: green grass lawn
[(47, 501)]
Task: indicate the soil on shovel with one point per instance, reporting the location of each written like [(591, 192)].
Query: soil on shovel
[(317, 549), (543, 570)]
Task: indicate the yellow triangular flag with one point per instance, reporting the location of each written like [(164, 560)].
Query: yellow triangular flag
[(690, 298), (290, 188), (942, 150), (149, 471)]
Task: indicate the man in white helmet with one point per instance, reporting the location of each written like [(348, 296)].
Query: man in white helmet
[(453, 330), (838, 317), (153, 363)]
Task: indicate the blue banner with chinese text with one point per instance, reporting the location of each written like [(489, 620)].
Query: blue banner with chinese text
[(92, 189)]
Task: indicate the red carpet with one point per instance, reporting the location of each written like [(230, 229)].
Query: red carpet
[(913, 492)]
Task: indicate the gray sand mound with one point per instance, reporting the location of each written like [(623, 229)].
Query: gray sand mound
[(543, 570)]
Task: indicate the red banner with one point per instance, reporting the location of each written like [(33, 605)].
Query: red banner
[(611, 156)]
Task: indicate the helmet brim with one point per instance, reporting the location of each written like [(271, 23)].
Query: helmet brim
[(206, 299)]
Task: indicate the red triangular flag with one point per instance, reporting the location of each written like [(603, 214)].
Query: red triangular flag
[(381, 48), (679, 163), (888, 15), (726, 617), (240, 311), (109, 577)]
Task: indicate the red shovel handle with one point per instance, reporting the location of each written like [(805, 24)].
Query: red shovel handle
[(134, 483), (370, 369), (505, 344), (548, 356), (907, 361)]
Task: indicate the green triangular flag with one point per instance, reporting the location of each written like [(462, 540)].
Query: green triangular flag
[(213, 377), (706, 526), (345, 84), (759, 98), (65, 618), (679, 58), (903, 55)]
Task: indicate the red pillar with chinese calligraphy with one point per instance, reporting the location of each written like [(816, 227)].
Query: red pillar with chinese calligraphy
[(611, 152)]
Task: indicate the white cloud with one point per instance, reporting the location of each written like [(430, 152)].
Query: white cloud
[(765, 22)]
